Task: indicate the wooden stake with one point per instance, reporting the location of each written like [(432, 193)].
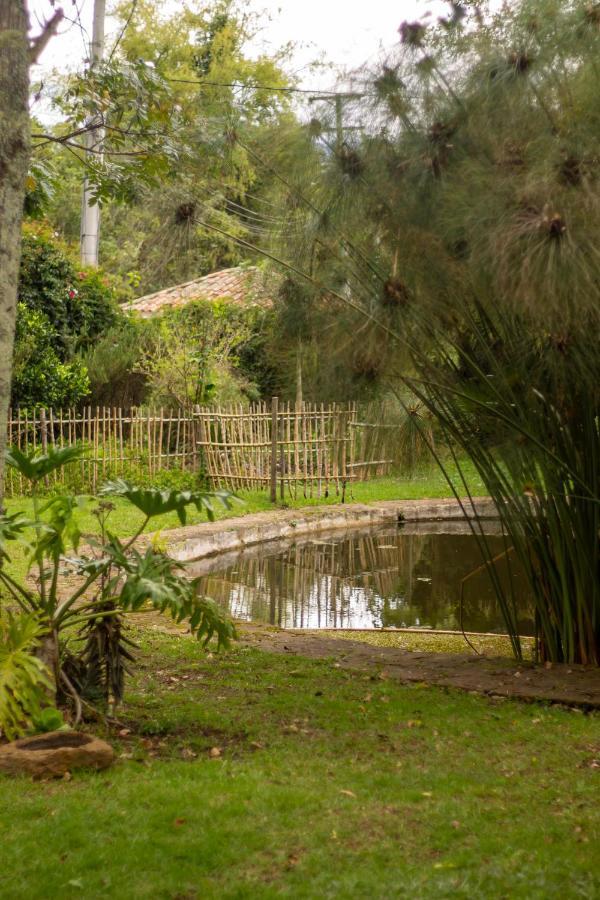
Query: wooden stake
[(274, 429)]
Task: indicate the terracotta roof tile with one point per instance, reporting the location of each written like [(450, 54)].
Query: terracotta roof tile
[(242, 284)]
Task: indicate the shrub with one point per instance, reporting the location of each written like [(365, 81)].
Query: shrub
[(24, 680), (79, 304), (61, 311), (39, 375)]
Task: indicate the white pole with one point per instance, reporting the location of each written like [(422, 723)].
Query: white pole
[(90, 212)]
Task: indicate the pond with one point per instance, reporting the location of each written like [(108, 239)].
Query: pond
[(387, 577)]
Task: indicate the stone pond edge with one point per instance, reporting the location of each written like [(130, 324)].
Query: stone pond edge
[(209, 539)]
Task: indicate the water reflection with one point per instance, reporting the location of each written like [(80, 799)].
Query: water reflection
[(388, 577)]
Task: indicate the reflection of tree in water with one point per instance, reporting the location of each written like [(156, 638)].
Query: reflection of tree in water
[(386, 578)]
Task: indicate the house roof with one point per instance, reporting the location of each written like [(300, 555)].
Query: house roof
[(242, 285)]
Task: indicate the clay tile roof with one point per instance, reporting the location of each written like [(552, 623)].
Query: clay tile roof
[(242, 284)]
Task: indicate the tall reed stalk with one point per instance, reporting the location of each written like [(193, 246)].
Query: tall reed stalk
[(450, 243)]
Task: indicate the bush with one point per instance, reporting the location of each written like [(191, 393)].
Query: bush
[(61, 312), (39, 375), (112, 365), (79, 304)]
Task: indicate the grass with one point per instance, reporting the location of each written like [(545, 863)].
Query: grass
[(426, 483), (323, 783)]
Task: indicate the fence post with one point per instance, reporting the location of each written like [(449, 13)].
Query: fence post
[(44, 436), (274, 436)]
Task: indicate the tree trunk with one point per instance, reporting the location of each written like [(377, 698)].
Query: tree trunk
[(48, 653), (14, 163)]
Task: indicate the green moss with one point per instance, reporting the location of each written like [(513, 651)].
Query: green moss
[(435, 642)]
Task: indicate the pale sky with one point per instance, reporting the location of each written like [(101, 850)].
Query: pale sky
[(346, 32)]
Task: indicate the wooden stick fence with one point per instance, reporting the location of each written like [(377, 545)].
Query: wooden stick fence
[(281, 447)]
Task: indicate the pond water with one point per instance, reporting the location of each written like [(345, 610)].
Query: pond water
[(391, 576)]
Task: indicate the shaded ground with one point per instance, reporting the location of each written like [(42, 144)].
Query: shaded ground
[(496, 677)]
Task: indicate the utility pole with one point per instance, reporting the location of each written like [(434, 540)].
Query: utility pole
[(90, 211), (338, 99)]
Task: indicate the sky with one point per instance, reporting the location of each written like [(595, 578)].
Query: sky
[(346, 32)]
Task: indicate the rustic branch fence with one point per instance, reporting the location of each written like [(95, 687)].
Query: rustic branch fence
[(280, 447)]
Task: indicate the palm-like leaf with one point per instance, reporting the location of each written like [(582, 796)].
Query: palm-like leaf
[(11, 529), (153, 578), (24, 679), (153, 502), (37, 465), (60, 529)]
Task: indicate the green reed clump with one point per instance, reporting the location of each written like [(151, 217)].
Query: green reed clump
[(461, 260)]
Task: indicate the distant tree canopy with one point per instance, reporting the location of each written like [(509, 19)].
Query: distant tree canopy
[(216, 99)]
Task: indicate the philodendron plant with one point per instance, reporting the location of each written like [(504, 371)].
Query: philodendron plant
[(79, 598)]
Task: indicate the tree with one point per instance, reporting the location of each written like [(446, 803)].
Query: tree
[(190, 355), (62, 311), (173, 231), (17, 53)]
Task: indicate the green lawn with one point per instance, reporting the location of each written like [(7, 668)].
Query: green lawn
[(328, 784), (427, 483)]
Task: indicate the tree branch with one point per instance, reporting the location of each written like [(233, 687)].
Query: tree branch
[(39, 43)]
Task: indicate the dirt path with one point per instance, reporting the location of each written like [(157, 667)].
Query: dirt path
[(570, 685)]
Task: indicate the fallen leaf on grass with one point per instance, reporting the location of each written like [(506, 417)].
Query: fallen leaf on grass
[(215, 752), (179, 822), (187, 753), (348, 793)]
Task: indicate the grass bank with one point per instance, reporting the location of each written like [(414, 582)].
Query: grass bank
[(426, 483), (259, 776)]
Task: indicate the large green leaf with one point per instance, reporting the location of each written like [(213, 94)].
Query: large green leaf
[(11, 529), (60, 528), (154, 578), (153, 502), (24, 680), (38, 464)]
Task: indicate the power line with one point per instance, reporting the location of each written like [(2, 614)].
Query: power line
[(126, 25), (267, 87)]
